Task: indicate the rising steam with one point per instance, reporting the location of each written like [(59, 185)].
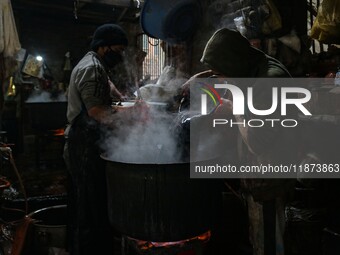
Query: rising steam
[(45, 97), (153, 142)]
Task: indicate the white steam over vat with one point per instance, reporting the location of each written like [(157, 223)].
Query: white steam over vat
[(152, 142)]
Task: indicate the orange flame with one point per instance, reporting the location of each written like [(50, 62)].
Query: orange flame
[(58, 132)]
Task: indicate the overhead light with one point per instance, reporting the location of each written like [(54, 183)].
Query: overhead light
[(39, 58)]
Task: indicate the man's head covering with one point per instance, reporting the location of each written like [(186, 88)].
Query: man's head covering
[(230, 53), (107, 35)]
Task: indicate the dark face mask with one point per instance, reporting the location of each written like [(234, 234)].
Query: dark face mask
[(112, 58)]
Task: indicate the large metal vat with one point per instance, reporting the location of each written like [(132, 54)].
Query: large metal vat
[(159, 202)]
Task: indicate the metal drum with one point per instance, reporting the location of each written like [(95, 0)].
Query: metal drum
[(159, 202)]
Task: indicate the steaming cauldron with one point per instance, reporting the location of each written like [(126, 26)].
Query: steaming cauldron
[(159, 202), (49, 228), (47, 115)]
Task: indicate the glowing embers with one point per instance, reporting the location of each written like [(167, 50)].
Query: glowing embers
[(190, 246), (57, 132)]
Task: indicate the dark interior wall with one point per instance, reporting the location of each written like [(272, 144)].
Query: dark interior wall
[(52, 38), (294, 16), (205, 31)]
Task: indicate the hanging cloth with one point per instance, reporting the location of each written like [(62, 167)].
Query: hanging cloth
[(9, 45), (9, 39), (326, 27)]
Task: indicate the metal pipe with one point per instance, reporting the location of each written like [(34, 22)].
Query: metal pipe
[(120, 3), (311, 24)]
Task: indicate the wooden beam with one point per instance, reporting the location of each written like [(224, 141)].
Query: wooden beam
[(122, 14)]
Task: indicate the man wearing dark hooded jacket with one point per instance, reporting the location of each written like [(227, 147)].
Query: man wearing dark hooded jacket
[(229, 54)]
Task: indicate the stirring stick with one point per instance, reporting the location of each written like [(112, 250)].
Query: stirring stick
[(139, 96)]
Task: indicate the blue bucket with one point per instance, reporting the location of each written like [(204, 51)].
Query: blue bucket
[(173, 21)]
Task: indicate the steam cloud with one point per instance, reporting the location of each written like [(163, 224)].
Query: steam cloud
[(150, 143), (45, 97)]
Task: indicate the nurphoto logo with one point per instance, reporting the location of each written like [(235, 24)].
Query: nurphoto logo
[(281, 97)]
